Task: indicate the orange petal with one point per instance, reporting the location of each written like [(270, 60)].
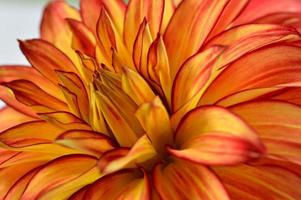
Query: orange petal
[(10, 118), (137, 11), (31, 95), (193, 75), (90, 10), (158, 67), (155, 120), (53, 174), (260, 182), (182, 180), (15, 72), (141, 46), (125, 106), (214, 136), (123, 133), (125, 185), (228, 15), (265, 7), (247, 38), (88, 141), (136, 87), (75, 85), (46, 58), (278, 65), (141, 152), (34, 129), (278, 126), (83, 39), (196, 19), (54, 28), (8, 97)]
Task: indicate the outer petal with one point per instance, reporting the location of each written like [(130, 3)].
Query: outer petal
[(278, 125), (182, 181), (31, 95), (44, 57), (53, 175), (88, 141), (125, 185), (10, 117), (196, 19), (214, 136), (260, 182), (278, 65)]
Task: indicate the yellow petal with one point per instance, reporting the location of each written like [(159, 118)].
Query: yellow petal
[(136, 87), (155, 120)]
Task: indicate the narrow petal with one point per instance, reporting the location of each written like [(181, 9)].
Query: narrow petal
[(278, 65), (196, 19), (260, 182), (136, 87), (123, 133), (215, 136), (125, 185), (182, 180), (193, 75), (278, 126), (137, 11), (46, 58), (31, 95), (141, 47), (158, 67), (75, 85), (154, 119), (83, 39)]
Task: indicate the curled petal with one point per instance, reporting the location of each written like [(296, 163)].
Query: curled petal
[(215, 136), (141, 152)]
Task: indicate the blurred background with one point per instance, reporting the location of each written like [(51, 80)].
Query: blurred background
[(19, 19)]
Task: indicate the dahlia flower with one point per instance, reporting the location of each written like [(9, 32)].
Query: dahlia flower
[(156, 99)]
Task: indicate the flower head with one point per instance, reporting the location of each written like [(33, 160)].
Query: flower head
[(156, 99)]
